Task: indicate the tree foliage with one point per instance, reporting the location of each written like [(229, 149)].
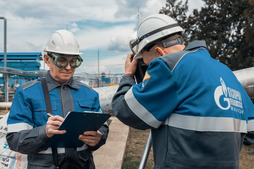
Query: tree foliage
[(225, 25), (178, 10)]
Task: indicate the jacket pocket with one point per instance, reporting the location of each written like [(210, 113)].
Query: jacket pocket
[(84, 105), (84, 155), (40, 113), (44, 160)]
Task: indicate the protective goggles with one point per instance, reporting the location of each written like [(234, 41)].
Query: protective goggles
[(61, 60)]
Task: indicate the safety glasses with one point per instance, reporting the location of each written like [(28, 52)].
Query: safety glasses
[(61, 60)]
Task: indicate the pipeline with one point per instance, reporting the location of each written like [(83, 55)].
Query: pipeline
[(246, 78), (106, 94)]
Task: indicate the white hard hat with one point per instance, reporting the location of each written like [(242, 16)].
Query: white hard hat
[(152, 28), (63, 42)]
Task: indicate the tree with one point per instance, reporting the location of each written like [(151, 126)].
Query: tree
[(176, 10), (225, 25), (249, 35)]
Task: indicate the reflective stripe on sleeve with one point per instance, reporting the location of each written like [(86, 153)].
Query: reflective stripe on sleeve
[(140, 110), (62, 150), (19, 127), (251, 125), (197, 123)]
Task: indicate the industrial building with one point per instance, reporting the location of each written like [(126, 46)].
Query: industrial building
[(25, 66), (19, 63)]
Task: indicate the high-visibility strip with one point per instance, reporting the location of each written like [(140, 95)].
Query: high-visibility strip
[(197, 123), (251, 125), (140, 110), (82, 148), (49, 151), (62, 150), (19, 127)]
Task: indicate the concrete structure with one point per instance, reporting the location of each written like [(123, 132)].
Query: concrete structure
[(111, 155)]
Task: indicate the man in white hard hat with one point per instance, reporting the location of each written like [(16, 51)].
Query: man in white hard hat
[(196, 109), (29, 127)]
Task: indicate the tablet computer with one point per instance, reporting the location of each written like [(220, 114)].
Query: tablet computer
[(76, 123)]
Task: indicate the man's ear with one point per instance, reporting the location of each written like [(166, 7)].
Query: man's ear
[(46, 58), (160, 50)]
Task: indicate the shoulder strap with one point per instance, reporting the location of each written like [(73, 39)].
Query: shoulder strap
[(46, 96), (49, 111)]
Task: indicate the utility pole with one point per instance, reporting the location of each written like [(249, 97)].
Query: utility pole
[(99, 69), (138, 18), (98, 63), (5, 64)]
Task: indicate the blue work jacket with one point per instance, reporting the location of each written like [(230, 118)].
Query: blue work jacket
[(27, 119), (196, 108)]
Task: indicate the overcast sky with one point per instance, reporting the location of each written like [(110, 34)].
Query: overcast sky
[(102, 27)]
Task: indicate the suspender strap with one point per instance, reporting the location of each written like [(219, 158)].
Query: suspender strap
[(49, 111), (46, 96)]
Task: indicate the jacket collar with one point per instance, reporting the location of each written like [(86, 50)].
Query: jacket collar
[(196, 44), (52, 83)]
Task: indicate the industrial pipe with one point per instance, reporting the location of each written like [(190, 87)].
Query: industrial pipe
[(246, 78), (106, 94)]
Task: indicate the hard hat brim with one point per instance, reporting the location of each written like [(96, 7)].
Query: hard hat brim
[(64, 53)]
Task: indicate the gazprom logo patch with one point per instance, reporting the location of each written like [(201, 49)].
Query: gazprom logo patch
[(228, 98)]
